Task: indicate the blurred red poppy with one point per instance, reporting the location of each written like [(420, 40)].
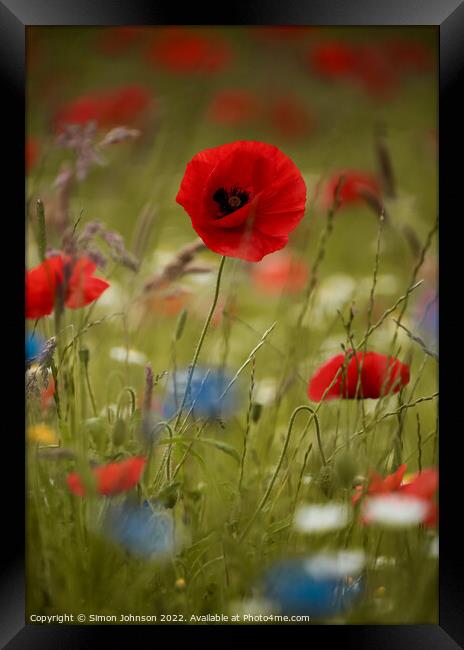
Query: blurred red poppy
[(379, 485), (117, 40), (409, 56), (280, 272), (121, 106), (333, 59), (244, 198), (233, 107), (290, 117), (46, 394), (376, 73), (355, 186), (168, 303), (111, 479), (32, 153), (61, 274), (380, 375), (423, 485), (184, 51)]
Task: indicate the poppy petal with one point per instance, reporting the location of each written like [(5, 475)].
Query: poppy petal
[(83, 287), (41, 283)]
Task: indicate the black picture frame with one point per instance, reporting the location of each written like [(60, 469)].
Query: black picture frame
[(448, 16)]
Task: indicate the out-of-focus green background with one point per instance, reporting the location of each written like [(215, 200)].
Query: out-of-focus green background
[(344, 118)]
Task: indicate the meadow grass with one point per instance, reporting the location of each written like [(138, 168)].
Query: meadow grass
[(231, 484)]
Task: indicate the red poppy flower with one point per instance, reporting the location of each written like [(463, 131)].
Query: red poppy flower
[(423, 485), (379, 485), (380, 375), (117, 40), (409, 56), (46, 394), (290, 117), (243, 198), (45, 280), (333, 59), (111, 479), (168, 303), (32, 153), (107, 108), (280, 272), (355, 186), (233, 107), (184, 51), (376, 72)]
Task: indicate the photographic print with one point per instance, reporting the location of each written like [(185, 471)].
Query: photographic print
[(231, 325)]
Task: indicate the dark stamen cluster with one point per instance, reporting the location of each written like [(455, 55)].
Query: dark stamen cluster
[(231, 200)]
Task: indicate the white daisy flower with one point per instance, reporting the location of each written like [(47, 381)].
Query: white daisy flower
[(335, 565), (265, 391), (322, 518), (131, 356), (395, 510)]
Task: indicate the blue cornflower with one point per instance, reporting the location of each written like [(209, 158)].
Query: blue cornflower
[(429, 322), (311, 586), (206, 389), (141, 530), (34, 346)]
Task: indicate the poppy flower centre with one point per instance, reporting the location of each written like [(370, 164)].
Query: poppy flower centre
[(230, 201)]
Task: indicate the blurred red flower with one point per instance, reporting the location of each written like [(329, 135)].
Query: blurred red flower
[(333, 59), (280, 272), (61, 274), (409, 56), (355, 185), (290, 117), (32, 153), (423, 485), (184, 51), (117, 40), (244, 198), (111, 479), (379, 485), (376, 72), (380, 375), (121, 106), (46, 394), (233, 107)]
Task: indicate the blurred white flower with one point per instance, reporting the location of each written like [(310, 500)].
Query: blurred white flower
[(334, 293), (131, 356), (335, 565), (265, 391), (395, 510), (112, 298), (331, 345), (252, 607), (434, 548), (384, 561), (383, 336), (321, 518)]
